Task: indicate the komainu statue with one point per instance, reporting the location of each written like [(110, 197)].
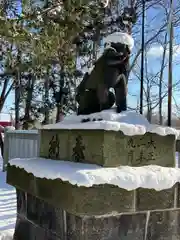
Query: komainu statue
[(110, 71)]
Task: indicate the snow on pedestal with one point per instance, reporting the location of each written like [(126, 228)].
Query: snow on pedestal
[(91, 185), (97, 201), (88, 175), (109, 139)]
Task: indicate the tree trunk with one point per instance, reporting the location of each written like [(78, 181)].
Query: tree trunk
[(29, 98), (160, 80), (170, 65), (46, 98), (5, 92), (17, 100), (59, 113), (17, 90), (60, 105)]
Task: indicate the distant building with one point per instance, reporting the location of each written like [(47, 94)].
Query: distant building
[(6, 119)]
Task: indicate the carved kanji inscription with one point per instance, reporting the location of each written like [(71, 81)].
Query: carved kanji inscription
[(54, 147), (78, 150)]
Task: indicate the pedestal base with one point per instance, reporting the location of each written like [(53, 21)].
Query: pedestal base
[(37, 219)]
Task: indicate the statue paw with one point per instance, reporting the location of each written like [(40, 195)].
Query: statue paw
[(121, 109), (85, 120)]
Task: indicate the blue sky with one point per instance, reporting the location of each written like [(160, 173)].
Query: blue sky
[(154, 59)]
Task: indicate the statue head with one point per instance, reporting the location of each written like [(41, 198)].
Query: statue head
[(118, 47), (117, 54), (120, 38)]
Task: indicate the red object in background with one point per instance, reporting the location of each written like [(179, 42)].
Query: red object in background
[(5, 124), (5, 120)]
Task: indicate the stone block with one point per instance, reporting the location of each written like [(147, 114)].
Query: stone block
[(21, 202), (87, 146), (112, 227), (48, 219), (33, 209), (149, 199), (25, 230), (178, 194), (139, 150), (96, 200), (108, 148), (21, 179), (163, 225), (54, 144), (109, 227), (149, 225), (75, 227), (45, 215)]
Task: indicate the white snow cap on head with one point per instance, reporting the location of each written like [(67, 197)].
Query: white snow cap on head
[(120, 37)]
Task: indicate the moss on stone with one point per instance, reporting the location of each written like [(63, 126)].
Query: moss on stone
[(149, 199)]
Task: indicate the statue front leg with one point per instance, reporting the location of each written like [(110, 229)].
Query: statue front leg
[(102, 95), (121, 94)]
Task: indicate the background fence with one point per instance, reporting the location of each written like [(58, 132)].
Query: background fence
[(20, 143)]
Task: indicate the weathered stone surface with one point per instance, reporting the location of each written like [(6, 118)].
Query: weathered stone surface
[(20, 180), (149, 199), (41, 219), (97, 200), (33, 209), (164, 225), (75, 227), (108, 148), (86, 146), (21, 202), (72, 227), (150, 225), (115, 227), (54, 144), (25, 230), (139, 150), (45, 215), (178, 194)]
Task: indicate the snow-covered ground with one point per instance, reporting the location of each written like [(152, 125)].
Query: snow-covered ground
[(7, 207)]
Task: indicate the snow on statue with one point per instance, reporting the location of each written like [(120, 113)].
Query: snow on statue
[(110, 71)]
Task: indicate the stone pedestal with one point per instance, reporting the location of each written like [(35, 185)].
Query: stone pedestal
[(108, 148), (56, 210), (37, 219)]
